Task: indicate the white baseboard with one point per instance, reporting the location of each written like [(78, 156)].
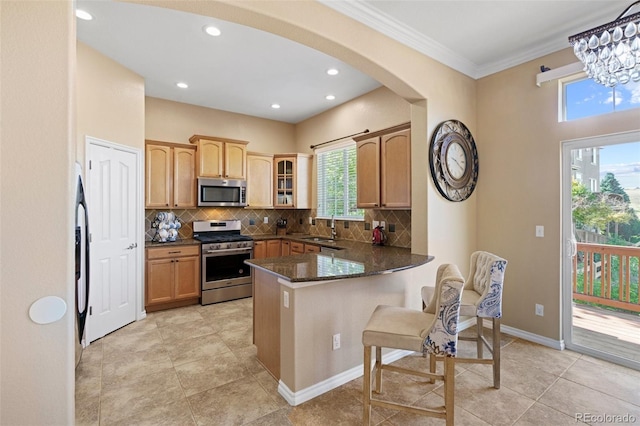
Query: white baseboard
[(516, 332), (296, 398), (535, 338)]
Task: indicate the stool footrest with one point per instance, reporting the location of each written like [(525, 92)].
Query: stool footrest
[(411, 372), (437, 412), (474, 360)]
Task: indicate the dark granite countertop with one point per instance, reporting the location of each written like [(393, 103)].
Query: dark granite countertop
[(183, 242), (349, 259)]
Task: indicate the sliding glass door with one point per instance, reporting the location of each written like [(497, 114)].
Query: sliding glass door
[(601, 246)]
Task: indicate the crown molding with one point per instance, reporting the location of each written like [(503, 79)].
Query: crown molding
[(391, 27)]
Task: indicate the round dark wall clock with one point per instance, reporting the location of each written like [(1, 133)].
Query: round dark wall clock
[(454, 160)]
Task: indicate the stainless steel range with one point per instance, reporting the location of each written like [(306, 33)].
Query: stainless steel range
[(224, 273)]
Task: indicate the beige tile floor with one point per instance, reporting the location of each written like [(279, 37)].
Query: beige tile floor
[(196, 365)]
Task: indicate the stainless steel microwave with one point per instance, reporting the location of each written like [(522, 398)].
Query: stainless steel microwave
[(222, 192)]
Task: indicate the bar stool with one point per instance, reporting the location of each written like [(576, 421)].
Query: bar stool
[(481, 298), (433, 332)]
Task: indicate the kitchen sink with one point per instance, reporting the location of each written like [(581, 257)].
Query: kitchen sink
[(319, 239)]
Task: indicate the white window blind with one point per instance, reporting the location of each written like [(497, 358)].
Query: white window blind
[(337, 190)]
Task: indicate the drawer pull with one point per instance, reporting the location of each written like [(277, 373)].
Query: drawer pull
[(175, 252)]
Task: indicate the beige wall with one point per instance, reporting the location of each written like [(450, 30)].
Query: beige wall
[(376, 110), (36, 223), (110, 101), (177, 122), (519, 142)]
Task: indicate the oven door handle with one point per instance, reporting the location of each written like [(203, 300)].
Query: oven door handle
[(226, 252)]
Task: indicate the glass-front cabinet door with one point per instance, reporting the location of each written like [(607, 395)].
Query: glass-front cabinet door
[(285, 182)]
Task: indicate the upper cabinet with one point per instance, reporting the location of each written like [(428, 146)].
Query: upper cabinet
[(292, 181), (259, 180), (384, 169), (170, 175), (220, 157)]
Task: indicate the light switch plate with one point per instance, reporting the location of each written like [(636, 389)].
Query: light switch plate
[(539, 231)]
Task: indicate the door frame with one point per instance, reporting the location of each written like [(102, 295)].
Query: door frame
[(567, 240), (139, 209)]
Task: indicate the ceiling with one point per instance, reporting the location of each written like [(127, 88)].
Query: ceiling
[(245, 70)]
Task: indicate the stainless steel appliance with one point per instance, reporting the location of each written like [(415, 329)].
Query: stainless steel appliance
[(82, 261), (222, 192), (225, 276)]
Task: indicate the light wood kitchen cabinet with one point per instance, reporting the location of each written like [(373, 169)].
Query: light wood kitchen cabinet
[(311, 248), (384, 169), (220, 157), (170, 179), (301, 248), (285, 248), (297, 248), (259, 180), (259, 249), (292, 181), (266, 248), (172, 277)]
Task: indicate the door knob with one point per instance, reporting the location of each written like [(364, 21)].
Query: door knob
[(132, 246)]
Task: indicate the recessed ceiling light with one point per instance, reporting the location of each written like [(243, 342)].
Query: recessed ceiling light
[(212, 31), (275, 106), (329, 97), (332, 71), (84, 15), (182, 85)]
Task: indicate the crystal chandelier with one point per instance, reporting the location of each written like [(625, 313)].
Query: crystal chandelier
[(611, 52)]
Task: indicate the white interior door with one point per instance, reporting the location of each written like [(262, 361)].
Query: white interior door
[(112, 181)]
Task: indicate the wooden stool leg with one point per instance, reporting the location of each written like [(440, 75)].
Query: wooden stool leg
[(432, 366), (449, 388), (496, 353), (378, 369), (479, 334), (366, 386)]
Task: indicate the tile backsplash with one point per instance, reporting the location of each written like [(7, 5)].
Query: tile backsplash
[(253, 223)]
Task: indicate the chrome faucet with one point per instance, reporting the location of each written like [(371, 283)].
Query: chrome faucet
[(333, 228)]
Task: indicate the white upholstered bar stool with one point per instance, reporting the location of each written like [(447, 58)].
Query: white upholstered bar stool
[(413, 330), (481, 298)]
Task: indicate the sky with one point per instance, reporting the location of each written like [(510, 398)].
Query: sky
[(623, 161), (586, 98)]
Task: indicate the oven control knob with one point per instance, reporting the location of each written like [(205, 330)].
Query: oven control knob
[(242, 244), (216, 247), (229, 245)]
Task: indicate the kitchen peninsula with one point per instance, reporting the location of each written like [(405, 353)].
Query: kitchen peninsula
[(310, 310)]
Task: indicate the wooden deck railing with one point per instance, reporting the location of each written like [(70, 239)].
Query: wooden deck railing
[(607, 275)]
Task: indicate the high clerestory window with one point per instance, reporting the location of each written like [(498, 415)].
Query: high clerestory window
[(584, 97), (337, 183)]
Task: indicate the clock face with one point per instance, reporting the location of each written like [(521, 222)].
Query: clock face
[(456, 160), (453, 160)]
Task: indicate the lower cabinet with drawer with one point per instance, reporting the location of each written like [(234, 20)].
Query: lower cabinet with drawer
[(301, 248), (297, 248), (172, 277)]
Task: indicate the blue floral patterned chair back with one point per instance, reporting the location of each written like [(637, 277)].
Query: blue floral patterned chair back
[(442, 339), (486, 277)]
